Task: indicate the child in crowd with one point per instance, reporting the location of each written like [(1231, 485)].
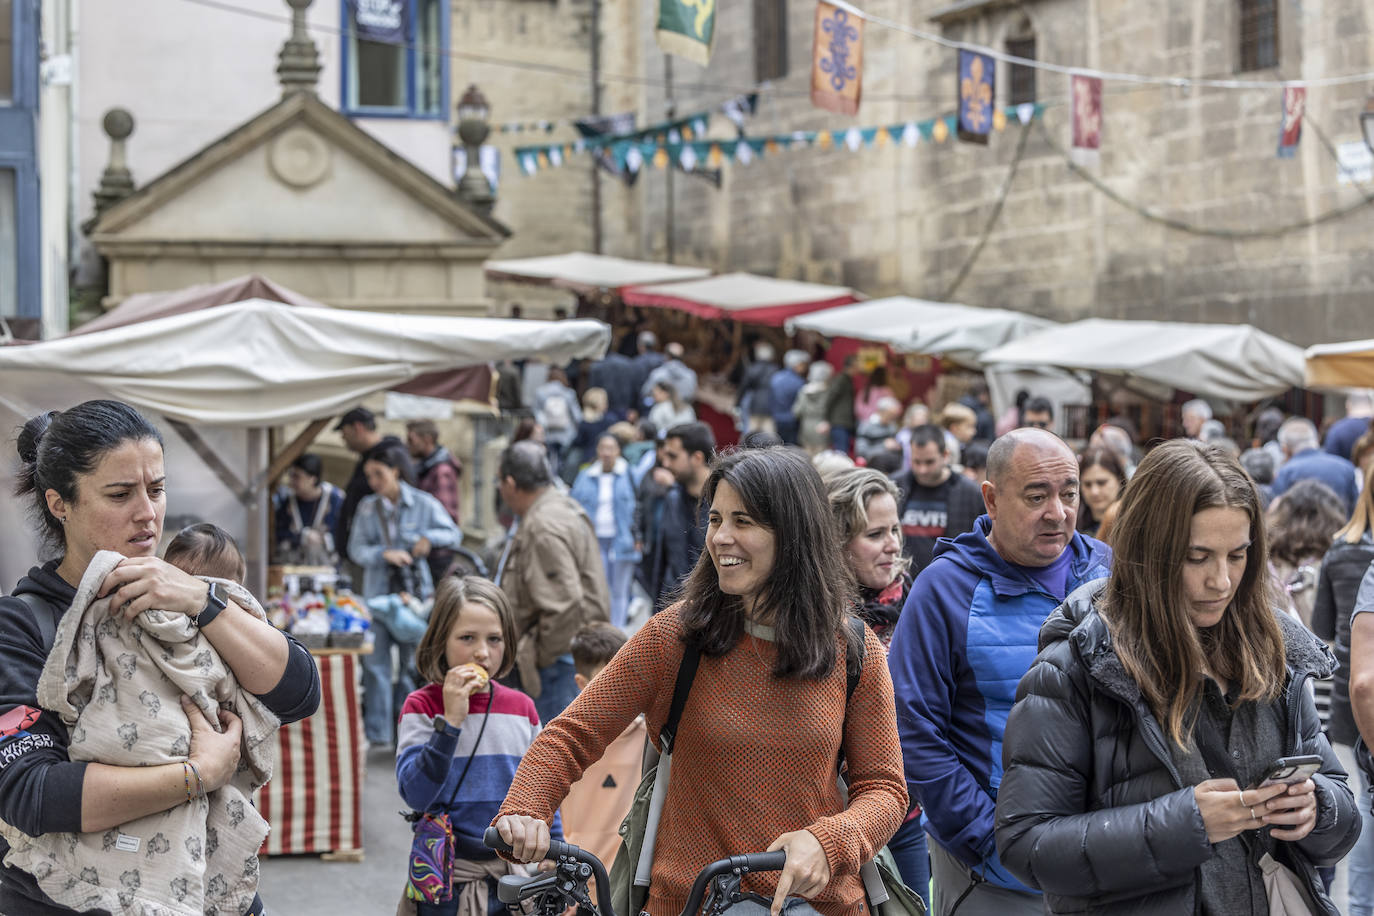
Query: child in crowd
[(462, 736), (207, 550), (599, 801)]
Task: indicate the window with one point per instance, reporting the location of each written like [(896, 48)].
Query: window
[(395, 58), (770, 40), (6, 50), (9, 244), (1259, 35), (1021, 81)]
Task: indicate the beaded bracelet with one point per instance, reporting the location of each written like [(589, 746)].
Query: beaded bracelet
[(200, 786), (186, 777)]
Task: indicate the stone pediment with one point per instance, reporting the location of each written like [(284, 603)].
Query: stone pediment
[(299, 175)]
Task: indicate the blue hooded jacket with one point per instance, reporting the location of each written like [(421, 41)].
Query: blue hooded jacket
[(968, 633)]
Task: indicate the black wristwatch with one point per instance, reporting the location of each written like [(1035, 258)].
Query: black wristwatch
[(442, 727), (214, 603)]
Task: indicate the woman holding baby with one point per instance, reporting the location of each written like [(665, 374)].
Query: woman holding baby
[(96, 479)]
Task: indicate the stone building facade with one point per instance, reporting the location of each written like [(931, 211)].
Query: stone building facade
[(1201, 190)]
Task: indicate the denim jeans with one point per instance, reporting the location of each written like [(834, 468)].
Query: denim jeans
[(381, 701), (1361, 858), (619, 575), (557, 688), (841, 439), (912, 855)]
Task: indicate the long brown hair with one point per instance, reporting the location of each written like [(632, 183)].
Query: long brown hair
[(1144, 604), (810, 588), (1362, 519), (449, 598)]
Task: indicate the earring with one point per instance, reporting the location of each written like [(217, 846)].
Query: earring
[(62, 520)]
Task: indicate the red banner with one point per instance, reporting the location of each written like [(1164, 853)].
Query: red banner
[(1290, 129), (1087, 112)]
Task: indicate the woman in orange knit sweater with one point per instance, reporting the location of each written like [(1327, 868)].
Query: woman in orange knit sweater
[(755, 763)]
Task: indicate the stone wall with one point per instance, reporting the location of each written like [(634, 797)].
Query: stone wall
[(899, 220)]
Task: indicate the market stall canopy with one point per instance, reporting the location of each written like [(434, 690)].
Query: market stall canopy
[(260, 363), (468, 384), (959, 332), (743, 297), (1341, 365), (146, 306), (584, 272), (1228, 362)]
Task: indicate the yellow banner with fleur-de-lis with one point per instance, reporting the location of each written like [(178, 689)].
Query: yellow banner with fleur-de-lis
[(687, 28), (837, 59)]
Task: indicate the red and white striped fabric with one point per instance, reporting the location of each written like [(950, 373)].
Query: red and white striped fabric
[(314, 801)]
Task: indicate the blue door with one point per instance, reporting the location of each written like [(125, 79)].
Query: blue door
[(19, 228)]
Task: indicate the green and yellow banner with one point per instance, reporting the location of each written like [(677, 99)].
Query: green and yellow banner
[(687, 28)]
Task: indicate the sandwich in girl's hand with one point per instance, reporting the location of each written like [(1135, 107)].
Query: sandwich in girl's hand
[(478, 672)]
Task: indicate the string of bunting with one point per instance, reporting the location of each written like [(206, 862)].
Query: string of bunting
[(659, 150)]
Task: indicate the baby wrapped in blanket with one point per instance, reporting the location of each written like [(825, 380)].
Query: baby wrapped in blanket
[(117, 684)]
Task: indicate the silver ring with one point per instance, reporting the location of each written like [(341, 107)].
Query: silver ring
[(1252, 815)]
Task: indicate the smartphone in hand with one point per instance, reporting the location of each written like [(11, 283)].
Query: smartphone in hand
[(1291, 770)]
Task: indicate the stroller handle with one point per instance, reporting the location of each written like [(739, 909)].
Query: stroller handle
[(757, 861), (558, 849)]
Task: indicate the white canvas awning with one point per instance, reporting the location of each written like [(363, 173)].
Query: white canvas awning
[(221, 376), (743, 297), (260, 363), (1227, 362), (959, 332), (1341, 365), (587, 272)]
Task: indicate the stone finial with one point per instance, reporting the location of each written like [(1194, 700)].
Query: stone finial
[(116, 182), (298, 64)]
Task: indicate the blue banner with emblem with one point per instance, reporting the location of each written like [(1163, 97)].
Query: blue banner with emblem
[(976, 83)]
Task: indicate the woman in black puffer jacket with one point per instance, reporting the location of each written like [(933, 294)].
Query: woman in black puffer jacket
[(1156, 704), (1342, 570)]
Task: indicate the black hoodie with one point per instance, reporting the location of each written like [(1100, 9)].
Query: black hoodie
[(40, 789)]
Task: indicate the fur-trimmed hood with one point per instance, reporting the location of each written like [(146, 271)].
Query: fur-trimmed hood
[(1077, 621)]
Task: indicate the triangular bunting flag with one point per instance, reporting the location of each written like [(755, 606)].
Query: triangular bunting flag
[(687, 132), (528, 164), (999, 120), (634, 160), (688, 157), (661, 158), (674, 136), (853, 139), (714, 156), (881, 137), (744, 153), (1025, 111), (556, 156), (911, 134)]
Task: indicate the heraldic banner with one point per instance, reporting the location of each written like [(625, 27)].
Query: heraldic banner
[(837, 59), (687, 28), (976, 90)]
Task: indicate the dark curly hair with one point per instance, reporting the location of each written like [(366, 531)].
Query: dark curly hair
[(1303, 522)]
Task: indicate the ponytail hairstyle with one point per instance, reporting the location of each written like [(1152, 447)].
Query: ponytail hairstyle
[(58, 446)]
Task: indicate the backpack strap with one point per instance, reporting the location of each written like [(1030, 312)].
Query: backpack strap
[(686, 673), (44, 615)]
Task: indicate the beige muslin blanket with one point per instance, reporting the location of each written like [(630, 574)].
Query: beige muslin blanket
[(117, 685)]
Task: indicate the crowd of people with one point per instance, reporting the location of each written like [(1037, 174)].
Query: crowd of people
[(1046, 680)]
